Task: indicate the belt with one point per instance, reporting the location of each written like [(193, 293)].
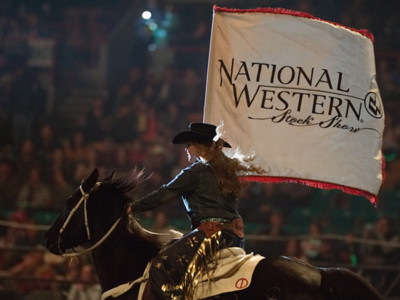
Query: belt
[(211, 227), (219, 220)]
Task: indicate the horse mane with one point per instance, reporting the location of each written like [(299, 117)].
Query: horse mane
[(129, 182), (123, 185)]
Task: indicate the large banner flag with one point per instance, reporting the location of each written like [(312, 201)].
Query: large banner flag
[(300, 94)]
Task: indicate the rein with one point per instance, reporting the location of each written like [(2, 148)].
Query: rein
[(84, 198)]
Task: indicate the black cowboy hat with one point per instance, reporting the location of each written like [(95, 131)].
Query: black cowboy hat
[(202, 133)]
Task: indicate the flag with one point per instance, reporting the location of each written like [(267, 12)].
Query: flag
[(300, 95)]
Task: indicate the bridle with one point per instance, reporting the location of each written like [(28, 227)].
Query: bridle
[(83, 199)]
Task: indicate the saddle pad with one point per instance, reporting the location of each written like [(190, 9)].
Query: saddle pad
[(233, 273)]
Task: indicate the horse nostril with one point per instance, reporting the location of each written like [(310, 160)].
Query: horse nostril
[(52, 248)]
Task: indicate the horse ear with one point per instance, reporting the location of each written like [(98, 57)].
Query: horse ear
[(90, 180), (110, 177)]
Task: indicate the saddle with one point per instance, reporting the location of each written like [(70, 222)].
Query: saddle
[(232, 273)]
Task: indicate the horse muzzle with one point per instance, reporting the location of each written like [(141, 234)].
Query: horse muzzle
[(53, 244)]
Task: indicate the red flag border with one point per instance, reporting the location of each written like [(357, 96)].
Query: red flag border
[(284, 11), (315, 184)]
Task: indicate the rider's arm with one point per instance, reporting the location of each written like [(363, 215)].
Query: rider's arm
[(183, 183)]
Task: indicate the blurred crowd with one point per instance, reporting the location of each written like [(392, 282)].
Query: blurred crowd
[(41, 163)]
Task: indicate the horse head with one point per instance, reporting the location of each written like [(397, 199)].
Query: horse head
[(91, 212)]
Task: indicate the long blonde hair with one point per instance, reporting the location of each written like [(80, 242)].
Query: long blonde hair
[(226, 169)]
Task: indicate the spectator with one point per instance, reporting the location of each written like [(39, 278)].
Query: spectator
[(124, 123), (30, 236), (27, 267), (12, 236), (155, 159), (9, 185), (166, 85), (293, 249), (391, 135), (69, 271), (60, 189), (26, 160), (255, 195), (349, 251), (385, 79), (191, 88), (276, 245), (47, 287), (311, 246), (392, 178), (122, 97), (327, 253), (171, 120), (46, 142), (103, 155), (135, 79), (60, 163), (396, 75), (97, 124), (7, 150), (27, 103), (122, 162), (75, 147), (137, 153), (34, 194), (381, 254), (88, 288), (151, 132), (384, 231), (80, 172)]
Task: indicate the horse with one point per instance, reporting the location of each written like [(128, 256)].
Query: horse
[(96, 220)]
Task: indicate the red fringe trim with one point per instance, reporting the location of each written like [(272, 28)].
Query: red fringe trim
[(284, 11), (312, 183)]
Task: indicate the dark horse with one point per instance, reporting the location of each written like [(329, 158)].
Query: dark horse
[(96, 217)]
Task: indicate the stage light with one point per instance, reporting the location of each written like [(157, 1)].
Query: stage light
[(146, 15)]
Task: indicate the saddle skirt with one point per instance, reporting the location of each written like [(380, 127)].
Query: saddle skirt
[(233, 272)]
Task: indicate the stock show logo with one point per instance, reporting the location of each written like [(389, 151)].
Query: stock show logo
[(373, 105), (298, 96)]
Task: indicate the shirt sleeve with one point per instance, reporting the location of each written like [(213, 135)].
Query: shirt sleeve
[(183, 183)]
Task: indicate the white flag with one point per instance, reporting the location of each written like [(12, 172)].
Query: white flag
[(300, 94)]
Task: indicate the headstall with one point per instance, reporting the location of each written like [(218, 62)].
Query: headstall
[(83, 199)]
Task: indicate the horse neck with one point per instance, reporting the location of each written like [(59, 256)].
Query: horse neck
[(122, 258)]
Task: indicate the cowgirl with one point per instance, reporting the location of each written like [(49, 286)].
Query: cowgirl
[(209, 188)]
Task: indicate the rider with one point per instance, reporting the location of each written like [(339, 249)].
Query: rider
[(209, 188)]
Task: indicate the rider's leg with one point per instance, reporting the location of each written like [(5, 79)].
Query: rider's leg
[(170, 265)]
